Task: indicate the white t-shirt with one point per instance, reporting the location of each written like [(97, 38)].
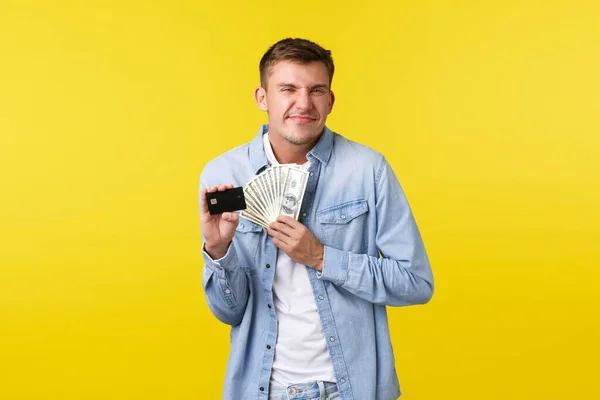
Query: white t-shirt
[(301, 350)]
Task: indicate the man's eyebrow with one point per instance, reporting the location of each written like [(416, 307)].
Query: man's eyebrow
[(317, 86)]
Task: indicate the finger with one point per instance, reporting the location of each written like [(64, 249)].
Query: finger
[(281, 227), (219, 188), (285, 219), (203, 205), (280, 244), (231, 217), (281, 238)]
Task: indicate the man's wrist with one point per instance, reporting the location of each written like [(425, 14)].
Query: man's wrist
[(318, 263), (216, 251), (319, 267)]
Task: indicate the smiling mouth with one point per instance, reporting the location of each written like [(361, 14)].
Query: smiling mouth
[(301, 118)]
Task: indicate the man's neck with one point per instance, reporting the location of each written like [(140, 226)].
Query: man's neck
[(289, 153)]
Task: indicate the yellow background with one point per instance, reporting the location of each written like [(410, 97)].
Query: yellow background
[(487, 110)]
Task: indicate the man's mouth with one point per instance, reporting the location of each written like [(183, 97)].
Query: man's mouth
[(301, 118)]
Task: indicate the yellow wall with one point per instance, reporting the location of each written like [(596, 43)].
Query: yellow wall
[(487, 110)]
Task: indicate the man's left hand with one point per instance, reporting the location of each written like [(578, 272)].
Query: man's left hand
[(297, 242)]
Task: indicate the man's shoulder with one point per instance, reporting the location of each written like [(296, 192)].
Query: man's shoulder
[(234, 155), (228, 167), (347, 149)]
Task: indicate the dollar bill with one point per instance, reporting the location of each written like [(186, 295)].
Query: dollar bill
[(278, 190), (293, 194), (250, 216), (254, 196)]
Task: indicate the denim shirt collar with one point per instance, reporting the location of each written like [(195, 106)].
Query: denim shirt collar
[(321, 151)]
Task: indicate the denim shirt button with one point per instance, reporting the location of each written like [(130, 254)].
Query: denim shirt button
[(332, 339), (321, 297)]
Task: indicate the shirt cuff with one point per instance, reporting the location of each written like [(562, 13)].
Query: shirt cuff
[(227, 262), (335, 266)]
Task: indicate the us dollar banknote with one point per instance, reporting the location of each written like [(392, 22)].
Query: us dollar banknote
[(293, 193)]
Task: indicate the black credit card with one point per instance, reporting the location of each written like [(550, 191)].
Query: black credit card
[(226, 201)]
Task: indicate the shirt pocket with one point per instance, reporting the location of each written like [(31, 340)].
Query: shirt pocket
[(343, 225), (247, 238)]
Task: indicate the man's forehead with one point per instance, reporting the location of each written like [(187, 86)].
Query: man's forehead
[(296, 72)]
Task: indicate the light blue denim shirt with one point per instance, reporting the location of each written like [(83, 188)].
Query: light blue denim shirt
[(374, 257)]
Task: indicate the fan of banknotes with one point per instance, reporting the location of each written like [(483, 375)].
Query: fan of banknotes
[(276, 191)]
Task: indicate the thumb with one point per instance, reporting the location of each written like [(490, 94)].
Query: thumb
[(231, 217)]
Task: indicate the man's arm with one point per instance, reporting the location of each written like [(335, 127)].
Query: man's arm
[(402, 276), (226, 286)]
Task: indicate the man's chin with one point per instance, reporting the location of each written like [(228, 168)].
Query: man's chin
[(301, 139)]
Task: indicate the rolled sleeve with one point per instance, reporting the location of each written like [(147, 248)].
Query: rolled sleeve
[(335, 266), (228, 262)]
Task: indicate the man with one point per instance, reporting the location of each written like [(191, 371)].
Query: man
[(306, 299)]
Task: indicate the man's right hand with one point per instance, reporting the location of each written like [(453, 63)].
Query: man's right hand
[(218, 229)]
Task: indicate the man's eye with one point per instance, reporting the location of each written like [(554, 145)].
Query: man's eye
[(318, 91)]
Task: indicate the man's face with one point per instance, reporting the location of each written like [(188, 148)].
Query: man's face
[(297, 99)]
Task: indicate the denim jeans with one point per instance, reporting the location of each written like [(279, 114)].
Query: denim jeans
[(317, 390)]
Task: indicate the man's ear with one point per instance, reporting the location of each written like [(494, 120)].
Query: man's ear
[(260, 95), (331, 100)]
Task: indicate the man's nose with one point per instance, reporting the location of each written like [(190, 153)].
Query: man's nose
[(303, 100)]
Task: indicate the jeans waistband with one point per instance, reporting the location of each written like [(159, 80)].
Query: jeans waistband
[(306, 390)]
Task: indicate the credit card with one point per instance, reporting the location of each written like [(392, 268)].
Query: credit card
[(226, 201)]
